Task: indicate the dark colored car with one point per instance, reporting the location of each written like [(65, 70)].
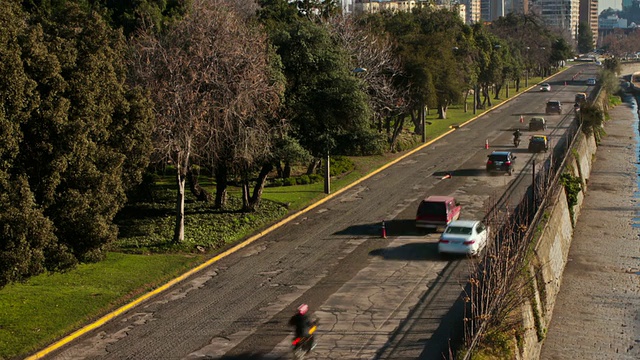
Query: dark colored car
[(538, 143), (501, 161), (537, 123), (554, 106)]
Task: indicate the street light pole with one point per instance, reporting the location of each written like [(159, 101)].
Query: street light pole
[(327, 175), (526, 79)]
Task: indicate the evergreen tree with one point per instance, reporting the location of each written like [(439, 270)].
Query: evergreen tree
[(585, 38)]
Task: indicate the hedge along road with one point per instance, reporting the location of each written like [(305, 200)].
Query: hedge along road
[(374, 297)]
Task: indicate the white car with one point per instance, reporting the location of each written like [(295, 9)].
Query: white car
[(463, 237), (545, 87), (591, 81)]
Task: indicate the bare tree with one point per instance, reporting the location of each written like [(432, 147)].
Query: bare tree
[(208, 77), (375, 63)]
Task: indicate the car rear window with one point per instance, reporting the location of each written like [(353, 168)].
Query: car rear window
[(458, 230), (498, 157), (435, 208), (553, 103)]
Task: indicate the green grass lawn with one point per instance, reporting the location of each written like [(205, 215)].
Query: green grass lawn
[(47, 307)]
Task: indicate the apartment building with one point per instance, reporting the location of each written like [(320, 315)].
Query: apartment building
[(589, 16)]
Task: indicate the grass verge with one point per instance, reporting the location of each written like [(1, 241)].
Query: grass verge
[(47, 307)]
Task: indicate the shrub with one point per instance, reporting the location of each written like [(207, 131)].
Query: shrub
[(303, 180), (572, 187), (341, 165), (314, 178), (290, 181)]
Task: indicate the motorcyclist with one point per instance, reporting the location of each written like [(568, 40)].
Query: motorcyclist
[(302, 322), (516, 134)]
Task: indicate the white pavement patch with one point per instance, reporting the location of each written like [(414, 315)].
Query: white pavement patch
[(359, 319)]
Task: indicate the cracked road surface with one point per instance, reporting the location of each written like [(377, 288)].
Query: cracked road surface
[(376, 298)]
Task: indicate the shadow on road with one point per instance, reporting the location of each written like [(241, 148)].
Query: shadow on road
[(460, 172), (411, 251), (401, 227)]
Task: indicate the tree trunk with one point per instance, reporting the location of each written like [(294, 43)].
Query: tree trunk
[(279, 169), (197, 190), (466, 98), (221, 186), (417, 124), (442, 112), (487, 96), (498, 87), (254, 201), (182, 164), (287, 170), (313, 165), (245, 194), (396, 133)]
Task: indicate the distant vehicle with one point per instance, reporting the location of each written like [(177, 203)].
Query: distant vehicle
[(537, 123), (580, 98), (544, 87), (464, 237), (553, 106), (437, 211), (501, 161), (538, 143), (591, 81)]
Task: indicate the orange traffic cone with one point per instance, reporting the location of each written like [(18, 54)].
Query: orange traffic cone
[(384, 230), (521, 119), (486, 144)]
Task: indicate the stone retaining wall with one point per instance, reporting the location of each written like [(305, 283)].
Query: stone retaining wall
[(552, 249)]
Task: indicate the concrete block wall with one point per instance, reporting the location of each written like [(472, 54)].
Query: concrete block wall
[(552, 250)]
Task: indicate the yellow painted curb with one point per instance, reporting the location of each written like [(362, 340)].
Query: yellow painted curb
[(67, 339)]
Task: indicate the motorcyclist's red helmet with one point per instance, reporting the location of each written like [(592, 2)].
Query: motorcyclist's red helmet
[(302, 309)]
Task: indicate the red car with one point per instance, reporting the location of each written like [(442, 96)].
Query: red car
[(437, 212)]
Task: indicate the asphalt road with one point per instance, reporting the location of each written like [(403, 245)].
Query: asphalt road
[(375, 298)]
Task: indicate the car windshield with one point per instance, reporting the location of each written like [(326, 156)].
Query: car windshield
[(458, 230)]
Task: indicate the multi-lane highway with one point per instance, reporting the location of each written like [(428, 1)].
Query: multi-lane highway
[(375, 298)]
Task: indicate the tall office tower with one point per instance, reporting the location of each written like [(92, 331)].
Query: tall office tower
[(473, 12), (491, 9), (560, 14), (589, 16), (516, 6)]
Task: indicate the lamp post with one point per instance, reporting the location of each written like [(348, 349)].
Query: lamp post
[(526, 79), (327, 175)]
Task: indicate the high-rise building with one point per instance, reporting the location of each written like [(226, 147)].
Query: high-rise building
[(473, 12), (559, 14), (589, 16), (491, 9)]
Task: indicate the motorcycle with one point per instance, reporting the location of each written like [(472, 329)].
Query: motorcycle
[(516, 141), (304, 344)]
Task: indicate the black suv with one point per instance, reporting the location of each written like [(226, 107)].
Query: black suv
[(501, 161), (554, 106)]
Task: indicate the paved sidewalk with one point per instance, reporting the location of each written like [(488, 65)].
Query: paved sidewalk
[(597, 313)]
